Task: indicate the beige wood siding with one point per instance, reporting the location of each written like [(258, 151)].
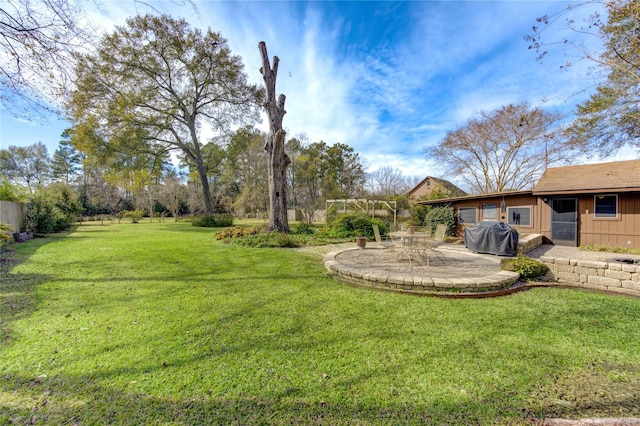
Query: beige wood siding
[(13, 214), (622, 231), (510, 201)]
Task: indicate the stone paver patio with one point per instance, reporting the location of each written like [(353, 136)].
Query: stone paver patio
[(454, 269)]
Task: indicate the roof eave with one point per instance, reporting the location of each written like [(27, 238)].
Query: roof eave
[(549, 192), (474, 197)]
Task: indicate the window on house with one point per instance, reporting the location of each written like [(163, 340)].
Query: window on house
[(519, 216), (606, 206), (489, 212), (467, 215)]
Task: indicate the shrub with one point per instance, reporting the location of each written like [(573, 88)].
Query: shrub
[(6, 235), (9, 192), (441, 215), (303, 228), (223, 220), (134, 215), (52, 209), (40, 216), (256, 236), (332, 214), (267, 239), (204, 221), (238, 232), (527, 267), (348, 225), (212, 221), (418, 214)]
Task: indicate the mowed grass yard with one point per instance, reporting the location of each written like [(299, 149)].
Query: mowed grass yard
[(159, 323)]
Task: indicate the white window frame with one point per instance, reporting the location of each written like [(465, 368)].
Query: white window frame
[(595, 201), (520, 207), (496, 210), (475, 214)]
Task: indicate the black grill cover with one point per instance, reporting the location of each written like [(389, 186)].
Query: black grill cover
[(492, 237)]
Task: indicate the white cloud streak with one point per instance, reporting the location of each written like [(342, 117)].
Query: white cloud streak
[(387, 78)]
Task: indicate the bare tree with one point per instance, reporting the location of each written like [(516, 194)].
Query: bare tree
[(278, 159), (505, 149), (37, 42), (388, 182), (172, 195), (146, 198), (610, 118), (99, 195), (294, 148), (195, 199)]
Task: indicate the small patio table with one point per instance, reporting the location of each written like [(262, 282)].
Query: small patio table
[(415, 245)]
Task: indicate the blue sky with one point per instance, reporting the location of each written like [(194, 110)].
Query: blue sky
[(387, 78)]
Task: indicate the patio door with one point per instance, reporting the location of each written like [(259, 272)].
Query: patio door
[(564, 221)]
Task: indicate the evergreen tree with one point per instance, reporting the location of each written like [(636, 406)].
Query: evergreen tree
[(67, 161)]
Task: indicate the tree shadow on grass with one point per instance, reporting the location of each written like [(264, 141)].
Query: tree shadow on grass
[(179, 227), (16, 299), (16, 295), (90, 399), (82, 400)]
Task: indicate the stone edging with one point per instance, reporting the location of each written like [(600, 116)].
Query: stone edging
[(417, 284)]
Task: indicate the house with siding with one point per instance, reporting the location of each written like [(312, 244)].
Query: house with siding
[(572, 205), (431, 184)]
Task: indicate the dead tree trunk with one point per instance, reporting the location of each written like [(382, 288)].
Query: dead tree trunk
[(274, 145)]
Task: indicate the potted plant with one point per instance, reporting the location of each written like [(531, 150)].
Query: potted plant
[(361, 239)]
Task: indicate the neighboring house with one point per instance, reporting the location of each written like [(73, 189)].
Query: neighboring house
[(430, 184), (573, 205)]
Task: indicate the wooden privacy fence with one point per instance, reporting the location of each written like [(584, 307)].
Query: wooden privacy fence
[(13, 214)]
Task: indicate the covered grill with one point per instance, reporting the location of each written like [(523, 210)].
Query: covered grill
[(492, 237)]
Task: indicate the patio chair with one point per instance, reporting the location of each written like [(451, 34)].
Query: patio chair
[(384, 241), (441, 233), (439, 238)]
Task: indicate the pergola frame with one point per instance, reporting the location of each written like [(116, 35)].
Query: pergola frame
[(366, 206)]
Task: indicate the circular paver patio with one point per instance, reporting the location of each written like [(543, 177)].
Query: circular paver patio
[(454, 268)]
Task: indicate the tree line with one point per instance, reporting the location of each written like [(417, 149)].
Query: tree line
[(156, 90), (111, 181)]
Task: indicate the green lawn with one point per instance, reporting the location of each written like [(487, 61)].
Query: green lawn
[(161, 324)]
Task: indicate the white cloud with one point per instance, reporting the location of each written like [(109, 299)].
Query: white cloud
[(415, 166), (387, 91)]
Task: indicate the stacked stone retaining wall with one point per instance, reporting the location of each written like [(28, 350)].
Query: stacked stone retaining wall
[(614, 277), (528, 243)]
